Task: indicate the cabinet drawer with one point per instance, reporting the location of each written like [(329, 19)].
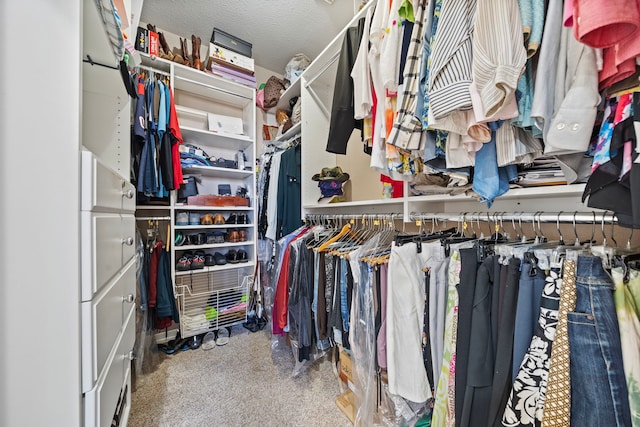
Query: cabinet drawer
[(104, 236), (128, 229), (102, 188), (101, 402), (102, 323), (128, 197)]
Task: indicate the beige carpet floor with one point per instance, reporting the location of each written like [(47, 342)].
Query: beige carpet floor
[(244, 383)]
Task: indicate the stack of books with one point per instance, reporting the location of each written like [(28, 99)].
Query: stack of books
[(231, 65)]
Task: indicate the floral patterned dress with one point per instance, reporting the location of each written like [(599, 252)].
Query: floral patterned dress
[(526, 401)]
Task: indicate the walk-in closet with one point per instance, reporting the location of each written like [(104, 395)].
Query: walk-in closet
[(320, 213)]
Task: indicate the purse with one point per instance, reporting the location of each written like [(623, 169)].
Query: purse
[(272, 91), (188, 188)]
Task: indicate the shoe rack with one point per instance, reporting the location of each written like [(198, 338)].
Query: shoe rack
[(213, 247)]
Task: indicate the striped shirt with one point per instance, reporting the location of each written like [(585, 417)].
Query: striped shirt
[(451, 57), (407, 128), (499, 53)]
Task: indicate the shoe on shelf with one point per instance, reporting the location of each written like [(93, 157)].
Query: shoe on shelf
[(219, 258), (198, 260), (242, 256), (195, 52), (218, 220), (209, 260), (184, 262), (194, 218), (182, 218), (185, 51), (233, 236), (180, 239), (243, 218), (206, 219), (233, 219), (232, 256), (242, 235)]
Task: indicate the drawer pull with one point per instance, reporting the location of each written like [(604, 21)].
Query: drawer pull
[(128, 194), (128, 241), (129, 298)]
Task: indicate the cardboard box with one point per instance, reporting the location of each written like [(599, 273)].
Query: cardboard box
[(346, 368), (225, 124), (346, 403), (231, 57), (154, 44)]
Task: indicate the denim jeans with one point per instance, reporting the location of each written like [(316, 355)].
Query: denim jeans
[(599, 390), (344, 306), (489, 180)]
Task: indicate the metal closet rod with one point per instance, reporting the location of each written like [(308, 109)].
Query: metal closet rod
[(540, 217), (153, 218), (153, 70)]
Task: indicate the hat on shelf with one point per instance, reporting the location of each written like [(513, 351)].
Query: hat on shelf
[(331, 174)]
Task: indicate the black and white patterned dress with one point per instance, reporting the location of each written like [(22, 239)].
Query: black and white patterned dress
[(526, 401)]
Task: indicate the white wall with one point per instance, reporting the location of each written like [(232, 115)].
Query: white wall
[(39, 198)]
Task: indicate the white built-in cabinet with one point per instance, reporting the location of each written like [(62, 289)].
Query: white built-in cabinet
[(214, 296), (107, 225)]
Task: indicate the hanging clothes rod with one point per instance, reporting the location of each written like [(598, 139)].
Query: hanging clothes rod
[(153, 70), (153, 218), (324, 68), (540, 217)]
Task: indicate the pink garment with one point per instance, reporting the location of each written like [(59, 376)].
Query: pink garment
[(603, 23), (613, 73), (567, 18)]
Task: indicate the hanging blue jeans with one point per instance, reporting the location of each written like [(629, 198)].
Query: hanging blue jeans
[(599, 389)]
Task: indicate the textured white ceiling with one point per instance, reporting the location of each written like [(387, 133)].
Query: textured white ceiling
[(278, 29)]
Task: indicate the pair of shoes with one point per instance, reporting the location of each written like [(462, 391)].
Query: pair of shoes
[(190, 261), (214, 259), (235, 257), (241, 218), (165, 52), (176, 344), (219, 337), (197, 239), (215, 237)]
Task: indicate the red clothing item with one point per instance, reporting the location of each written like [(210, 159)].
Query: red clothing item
[(281, 299), (604, 23), (174, 128)]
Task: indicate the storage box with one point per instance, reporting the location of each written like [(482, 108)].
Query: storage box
[(231, 42), (346, 403), (225, 124), (346, 373), (231, 57), (142, 40)]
